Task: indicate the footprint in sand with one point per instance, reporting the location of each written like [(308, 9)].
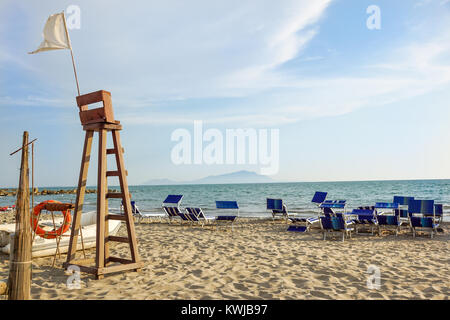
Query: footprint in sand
[(320, 295), (300, 283), (197, 272), (265, 285), (265, 295), (240, 286)]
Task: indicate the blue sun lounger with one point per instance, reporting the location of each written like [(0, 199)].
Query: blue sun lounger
[(428, 220), (336, 224), (137, 213), (387, 217), (364, 218), (331, 207), (134, 209), (402, 210), (227, 205), (388, 222), (386, 205), (334, 221), (301, 224), (197, 216), (171, 206), (277, 207)]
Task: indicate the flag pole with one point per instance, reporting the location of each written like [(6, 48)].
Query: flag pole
[(71, 53)]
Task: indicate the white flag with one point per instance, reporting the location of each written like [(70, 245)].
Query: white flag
[(55, 34)]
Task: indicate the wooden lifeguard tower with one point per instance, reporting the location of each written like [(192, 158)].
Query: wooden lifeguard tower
[(101, 120)]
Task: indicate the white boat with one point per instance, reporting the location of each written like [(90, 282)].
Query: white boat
[(47, 247)]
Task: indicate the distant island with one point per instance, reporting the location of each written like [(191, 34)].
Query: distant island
[(233, 177)]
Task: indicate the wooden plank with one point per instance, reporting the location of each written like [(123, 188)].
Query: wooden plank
[(80, 196), (92, 116), (120, 260), (122, 267), (91, 270), (92, 97), (101, 126), (107, 105), (114, 173), (79, 262), (101, 192), (113, 151), (116, 195), (118, 239), (127, 204), (19, 282), (116, 217)]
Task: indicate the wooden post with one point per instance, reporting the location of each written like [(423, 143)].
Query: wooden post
[(82, 180), (101, 201), (32, 176), (19, 282)]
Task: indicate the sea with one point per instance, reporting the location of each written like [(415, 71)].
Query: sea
[(251, 197)]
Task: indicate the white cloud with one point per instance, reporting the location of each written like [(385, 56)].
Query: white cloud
[(192, 49), (35, 101), (160, 52), (407, 72), (422, 3), (7, 58)]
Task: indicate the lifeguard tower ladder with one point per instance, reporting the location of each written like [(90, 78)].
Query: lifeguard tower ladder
[(101, 120)]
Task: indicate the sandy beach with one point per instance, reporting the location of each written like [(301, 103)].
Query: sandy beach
[(258, 260)]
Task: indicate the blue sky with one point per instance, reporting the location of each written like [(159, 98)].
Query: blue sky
[(350, 103)]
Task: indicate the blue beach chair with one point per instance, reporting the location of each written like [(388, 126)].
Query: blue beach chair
[(386, 205), (364, 218), (386, 216), (301, 224), (336, 224), (421, 207), (228, 219), (137, 213), (134, 208), (331, 207), (171, 206), (388, 222), (427, 220), (197, 216), (402, 211), (402, 201), (277, 207)]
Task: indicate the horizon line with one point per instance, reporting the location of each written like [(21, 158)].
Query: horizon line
[(274, 182)]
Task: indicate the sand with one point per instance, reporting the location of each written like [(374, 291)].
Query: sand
[(259, 260)]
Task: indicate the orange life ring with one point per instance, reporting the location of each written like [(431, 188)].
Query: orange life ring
[(54, 233)]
